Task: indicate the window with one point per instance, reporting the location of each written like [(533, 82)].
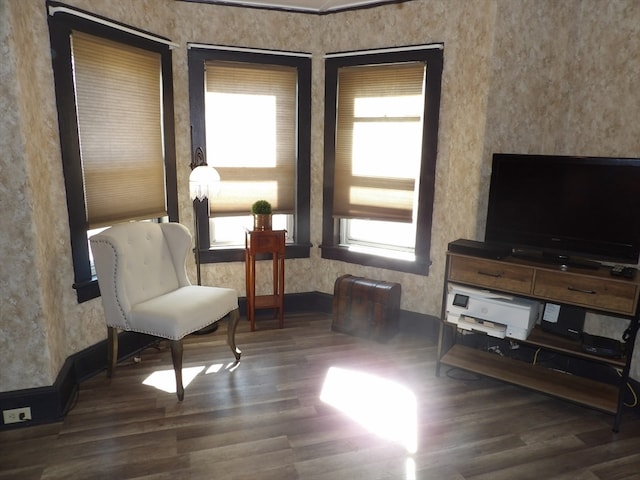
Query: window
[(115, 112), (250, 113), (381, 129)]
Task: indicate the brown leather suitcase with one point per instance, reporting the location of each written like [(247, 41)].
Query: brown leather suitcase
[(366, 308)]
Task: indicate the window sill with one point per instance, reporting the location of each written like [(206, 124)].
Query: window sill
[(236, 254), (343, 254)]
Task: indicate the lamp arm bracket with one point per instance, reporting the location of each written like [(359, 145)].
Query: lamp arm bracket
[(199, 158)]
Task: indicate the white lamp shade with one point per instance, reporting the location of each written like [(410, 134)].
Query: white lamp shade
[(204, 182)]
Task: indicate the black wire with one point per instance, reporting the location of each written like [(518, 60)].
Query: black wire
[(76, 394)]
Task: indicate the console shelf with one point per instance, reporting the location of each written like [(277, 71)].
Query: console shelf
[(550, 341), (569, 387), (592, 289)]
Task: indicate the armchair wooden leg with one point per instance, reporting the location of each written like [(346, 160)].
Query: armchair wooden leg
[(234, 317), (176, 356), (112, 350)]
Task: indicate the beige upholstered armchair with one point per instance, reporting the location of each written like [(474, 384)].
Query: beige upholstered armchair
[(144, 286)]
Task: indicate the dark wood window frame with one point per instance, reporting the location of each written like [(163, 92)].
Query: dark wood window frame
[(331, 248), (60, 27), (197, 56)]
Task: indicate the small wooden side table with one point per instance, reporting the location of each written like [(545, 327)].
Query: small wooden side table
[(270, 242)]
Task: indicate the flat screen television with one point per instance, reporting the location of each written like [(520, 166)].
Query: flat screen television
[(566, 208)]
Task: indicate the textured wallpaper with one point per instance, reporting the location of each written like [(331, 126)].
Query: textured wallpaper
[(13, 191), (528, 76), (24, 347)]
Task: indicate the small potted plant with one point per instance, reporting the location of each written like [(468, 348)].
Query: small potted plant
[(261, 210)]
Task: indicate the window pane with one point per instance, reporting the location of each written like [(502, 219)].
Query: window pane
[(378, 140), (385, 239), (397, 106), (230, 118), (231, 230), (119, 108), (91, 233), (387, 233), (251, 134), (387, 149)]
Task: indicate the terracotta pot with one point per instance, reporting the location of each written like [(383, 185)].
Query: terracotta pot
[(262, 221)]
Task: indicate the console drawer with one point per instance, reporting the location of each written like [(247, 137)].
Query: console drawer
[(592, 292), (491, 274)]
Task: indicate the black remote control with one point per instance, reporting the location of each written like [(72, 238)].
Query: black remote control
[(622, 271)]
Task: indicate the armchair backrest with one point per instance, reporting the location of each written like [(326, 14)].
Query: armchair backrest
[(138, 261)]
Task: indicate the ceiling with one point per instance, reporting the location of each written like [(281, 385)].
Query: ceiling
[(309, 6)]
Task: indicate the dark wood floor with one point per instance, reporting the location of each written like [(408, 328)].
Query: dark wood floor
[(265, 420)]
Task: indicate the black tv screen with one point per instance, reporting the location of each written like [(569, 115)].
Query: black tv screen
[(566, 207)]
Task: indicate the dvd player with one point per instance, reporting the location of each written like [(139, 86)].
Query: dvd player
[(602, 346)]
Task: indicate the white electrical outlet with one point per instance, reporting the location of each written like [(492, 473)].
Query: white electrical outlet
[(17, 415)]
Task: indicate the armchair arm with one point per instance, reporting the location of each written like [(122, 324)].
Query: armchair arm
[(113, 292), (178, 239)]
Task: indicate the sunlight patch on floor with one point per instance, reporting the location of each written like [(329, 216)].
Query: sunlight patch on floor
[(383, 407), (410, 469), (215, 368), (165, 380)]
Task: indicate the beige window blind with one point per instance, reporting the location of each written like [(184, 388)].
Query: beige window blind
[(378, 141), (251, 132), (119, 105)]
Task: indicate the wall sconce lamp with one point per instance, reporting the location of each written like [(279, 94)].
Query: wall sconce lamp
[(204, 184)]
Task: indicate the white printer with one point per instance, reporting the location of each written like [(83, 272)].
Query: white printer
[(495, 314)]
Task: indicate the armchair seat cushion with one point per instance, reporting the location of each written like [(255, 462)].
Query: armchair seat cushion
[(182, 311)]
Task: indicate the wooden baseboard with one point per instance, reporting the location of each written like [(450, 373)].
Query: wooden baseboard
[(50, 404)]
